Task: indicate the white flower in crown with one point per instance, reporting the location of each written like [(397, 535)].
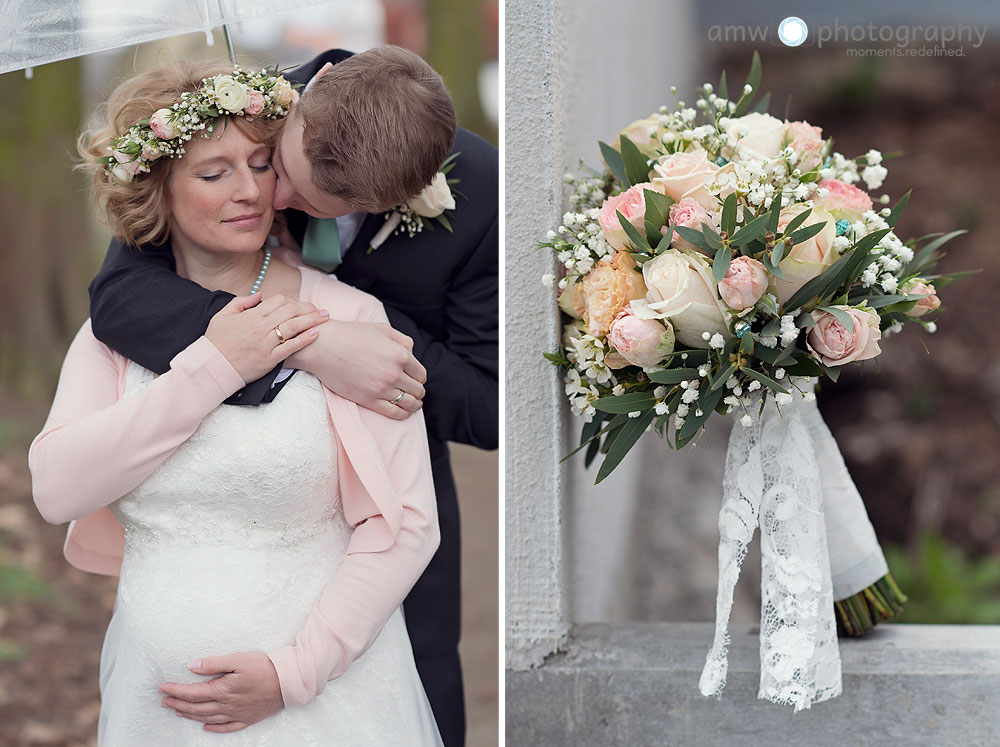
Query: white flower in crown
[(435, 202)]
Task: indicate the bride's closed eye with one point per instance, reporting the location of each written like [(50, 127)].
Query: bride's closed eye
[(257, 169)]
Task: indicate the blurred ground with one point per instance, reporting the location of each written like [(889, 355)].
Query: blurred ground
[(53, 617)]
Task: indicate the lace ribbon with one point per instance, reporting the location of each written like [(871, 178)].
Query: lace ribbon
[(785, 474)]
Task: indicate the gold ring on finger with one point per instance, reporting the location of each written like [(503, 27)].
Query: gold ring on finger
[(399, 397), (281, 337)]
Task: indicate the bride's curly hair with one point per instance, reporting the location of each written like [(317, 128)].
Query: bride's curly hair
[(138, 213)]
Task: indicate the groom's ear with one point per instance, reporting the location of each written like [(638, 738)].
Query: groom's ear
[(319, 73)]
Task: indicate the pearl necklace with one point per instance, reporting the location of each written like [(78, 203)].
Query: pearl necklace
[(263, 271)]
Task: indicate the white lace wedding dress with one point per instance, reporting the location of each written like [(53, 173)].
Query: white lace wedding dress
[(228, 547)]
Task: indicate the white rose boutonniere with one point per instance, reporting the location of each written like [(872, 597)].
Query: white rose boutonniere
[(434, 203)]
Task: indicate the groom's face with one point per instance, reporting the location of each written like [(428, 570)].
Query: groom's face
[(295, 188)]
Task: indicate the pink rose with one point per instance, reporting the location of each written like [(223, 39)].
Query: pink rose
[(833, 345), (807, 141), (929, 302), (161, 125), (641, 342), (745, 282), (632, 205), (256, 104), (679, 173), (127, 164), (688, 213), (844, 200)]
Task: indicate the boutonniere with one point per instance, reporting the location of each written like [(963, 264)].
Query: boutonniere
[(434, 203)]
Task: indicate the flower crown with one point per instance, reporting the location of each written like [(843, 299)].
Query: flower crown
[(164, 133)]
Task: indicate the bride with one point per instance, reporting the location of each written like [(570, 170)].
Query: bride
[(292, 530)]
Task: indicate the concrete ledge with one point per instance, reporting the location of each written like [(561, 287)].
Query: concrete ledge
[(637, 684)]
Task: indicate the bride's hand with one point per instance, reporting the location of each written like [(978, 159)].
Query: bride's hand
[(246, 692), (246, 332)]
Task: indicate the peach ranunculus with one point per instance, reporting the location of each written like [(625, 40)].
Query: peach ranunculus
[(681, 289), (843, 200), (632, 205), (833, 345), (641, 342), (255, 105), (810, 258), (744, 283), (761, 134), (930, 300), (688, 213), (607, 289), (807, 141)]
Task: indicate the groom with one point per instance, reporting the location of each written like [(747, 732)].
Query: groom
[(337, 170)]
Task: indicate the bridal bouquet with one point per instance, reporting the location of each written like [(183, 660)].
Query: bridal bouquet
[(722, 263)]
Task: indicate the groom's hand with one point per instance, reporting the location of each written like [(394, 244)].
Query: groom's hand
[(368, 363), (246, 692)]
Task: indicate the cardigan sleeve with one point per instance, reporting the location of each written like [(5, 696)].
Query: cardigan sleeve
[(369, 585), (94, 447)]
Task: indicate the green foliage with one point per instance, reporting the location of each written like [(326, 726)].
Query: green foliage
[(944, 585)]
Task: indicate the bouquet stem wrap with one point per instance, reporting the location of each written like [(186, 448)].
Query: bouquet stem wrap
[(785, 473)]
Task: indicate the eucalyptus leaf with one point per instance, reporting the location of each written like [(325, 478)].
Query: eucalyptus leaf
[(797, 221), (695, 237), (625, 403), (634, 236), (804, 234), (897, 209), (841, 316), (729, 214), (673, 375), (765, 380), (721, 263), (614, 161), (628, 434), (754, 229), (724, 375), (713, 239), (635, 163)]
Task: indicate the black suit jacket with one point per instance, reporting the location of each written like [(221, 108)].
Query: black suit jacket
[(439, 288)]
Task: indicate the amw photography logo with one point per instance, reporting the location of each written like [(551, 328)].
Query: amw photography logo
[(859, 39)]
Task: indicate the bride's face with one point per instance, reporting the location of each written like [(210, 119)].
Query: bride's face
[(220, 192)]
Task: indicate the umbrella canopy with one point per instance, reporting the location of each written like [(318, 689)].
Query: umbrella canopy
[(36, 32)]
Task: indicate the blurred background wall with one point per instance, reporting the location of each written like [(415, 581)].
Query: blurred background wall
[(52, 617)]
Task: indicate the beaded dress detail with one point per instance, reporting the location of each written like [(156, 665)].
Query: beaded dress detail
[(228, 547)]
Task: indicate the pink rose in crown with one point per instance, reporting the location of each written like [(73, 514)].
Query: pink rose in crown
[(844, 200), (641, 342), (632, 205), (929, 302), (688, 213), (744, 283), (161, 125), (833, 345), (256, 104), (807, 141)]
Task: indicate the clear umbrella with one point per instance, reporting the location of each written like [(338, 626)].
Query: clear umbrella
[(36, 32)]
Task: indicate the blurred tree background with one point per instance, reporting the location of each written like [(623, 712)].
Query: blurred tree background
[(53, 617)]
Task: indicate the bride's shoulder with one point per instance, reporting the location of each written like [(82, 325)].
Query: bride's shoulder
[(342, 300)]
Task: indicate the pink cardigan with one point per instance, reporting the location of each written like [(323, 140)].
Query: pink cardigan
[(95, 447)]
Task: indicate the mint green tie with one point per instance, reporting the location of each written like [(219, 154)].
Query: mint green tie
[(321, 245)]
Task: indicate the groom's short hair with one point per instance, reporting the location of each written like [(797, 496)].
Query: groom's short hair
[(377, 127)]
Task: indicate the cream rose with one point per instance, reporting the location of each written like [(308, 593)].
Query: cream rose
[(833, 345), (681, 289), (744, 283), (435, 198), (678, 174), (255, 105), (644, 134), (124, 172), (161, 125), (760, 133), (283, 92), (572, 300), (641, 342), (810, 258), (231, 95), (609, 288), (632, 205), (929, 302)]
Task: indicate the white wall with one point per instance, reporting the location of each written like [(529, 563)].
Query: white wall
[(576, 72)]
